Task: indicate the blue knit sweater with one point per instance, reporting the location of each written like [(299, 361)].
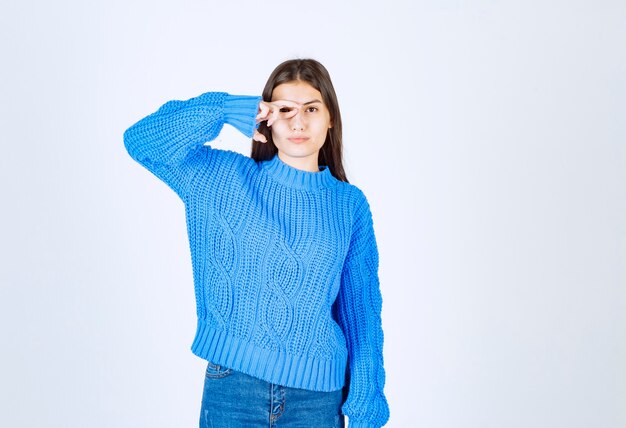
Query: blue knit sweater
[(285, 261)]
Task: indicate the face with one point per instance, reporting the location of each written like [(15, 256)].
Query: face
[(299, 138)]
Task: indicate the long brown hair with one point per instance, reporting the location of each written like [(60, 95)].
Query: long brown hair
[(315, 74)]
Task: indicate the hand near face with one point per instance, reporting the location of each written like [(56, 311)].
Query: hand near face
[(273, 111)]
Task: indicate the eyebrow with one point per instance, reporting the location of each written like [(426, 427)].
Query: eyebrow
[(312, 102)]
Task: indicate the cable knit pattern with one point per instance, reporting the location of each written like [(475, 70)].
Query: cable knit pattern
[(285, 261)]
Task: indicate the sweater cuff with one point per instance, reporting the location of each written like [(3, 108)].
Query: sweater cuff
[(240, 111)]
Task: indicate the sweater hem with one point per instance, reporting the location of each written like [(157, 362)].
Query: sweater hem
[(278, 367)]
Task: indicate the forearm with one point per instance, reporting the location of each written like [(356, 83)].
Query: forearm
[(359, 316), (171, 142), (179, 127), (358, 312)]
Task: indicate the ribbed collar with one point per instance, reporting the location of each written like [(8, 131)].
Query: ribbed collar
[(298, 178)]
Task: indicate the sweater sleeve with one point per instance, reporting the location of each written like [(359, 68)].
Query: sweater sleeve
[(170, 142), (358, 311)]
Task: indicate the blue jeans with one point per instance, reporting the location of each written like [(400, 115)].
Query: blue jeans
[(232, 399)]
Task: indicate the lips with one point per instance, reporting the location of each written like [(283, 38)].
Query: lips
[(298, 140)]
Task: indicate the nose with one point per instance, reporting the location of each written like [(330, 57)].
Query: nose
[(297, 122)]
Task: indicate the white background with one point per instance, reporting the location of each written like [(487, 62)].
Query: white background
[(489, 137)]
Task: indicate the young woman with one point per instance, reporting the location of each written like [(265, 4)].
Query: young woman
[(284, 254)]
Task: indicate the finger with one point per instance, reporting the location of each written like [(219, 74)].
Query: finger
[(261, 118), (264, 110), (288, 112), (272, 118), (287, 103), (287, 109), (259, 137)]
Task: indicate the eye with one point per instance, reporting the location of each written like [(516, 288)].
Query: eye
[(311, 109), (285, 109)]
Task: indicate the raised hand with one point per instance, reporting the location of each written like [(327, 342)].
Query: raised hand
[(273, 111)]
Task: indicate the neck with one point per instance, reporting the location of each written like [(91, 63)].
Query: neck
[(297, 178), (307, 163)]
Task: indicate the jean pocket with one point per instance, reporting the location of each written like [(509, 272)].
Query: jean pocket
[(215, 371)]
